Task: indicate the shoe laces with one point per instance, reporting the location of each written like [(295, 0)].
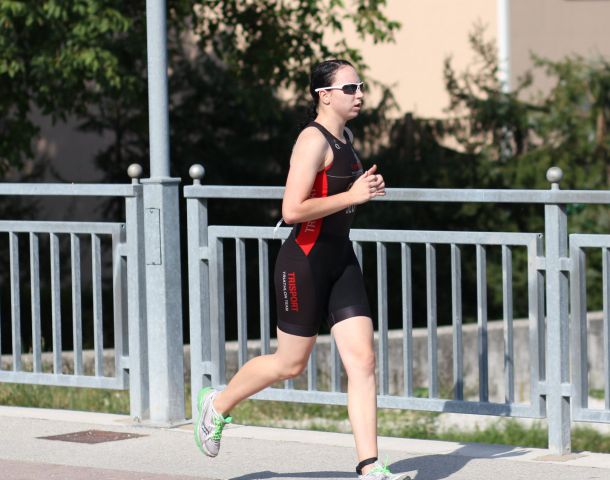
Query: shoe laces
[(381, 468), (219, 424)]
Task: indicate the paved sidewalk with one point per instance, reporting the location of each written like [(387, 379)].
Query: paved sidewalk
[(250, 453)]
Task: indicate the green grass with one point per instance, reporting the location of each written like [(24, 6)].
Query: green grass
[(597, 393), (391, 422), (71, 398)]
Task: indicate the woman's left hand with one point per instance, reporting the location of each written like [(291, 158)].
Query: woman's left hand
[(378, 183)]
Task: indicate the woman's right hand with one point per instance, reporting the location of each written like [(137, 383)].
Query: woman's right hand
[(368, 186)]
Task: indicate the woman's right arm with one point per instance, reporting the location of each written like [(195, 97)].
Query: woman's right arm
[(308, 156)]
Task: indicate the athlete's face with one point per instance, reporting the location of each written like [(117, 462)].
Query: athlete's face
[(345, 104)]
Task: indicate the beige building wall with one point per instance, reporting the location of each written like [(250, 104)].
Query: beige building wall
[(556, 28), (431, 31), (434, 29)]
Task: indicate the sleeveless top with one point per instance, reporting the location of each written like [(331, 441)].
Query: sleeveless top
[(337, 177)]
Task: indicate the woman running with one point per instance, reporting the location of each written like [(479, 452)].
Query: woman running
[(317, 275)]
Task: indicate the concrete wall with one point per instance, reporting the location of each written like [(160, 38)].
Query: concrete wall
[(420, 362)]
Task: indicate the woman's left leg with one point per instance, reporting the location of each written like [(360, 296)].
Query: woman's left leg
[(354, 338)]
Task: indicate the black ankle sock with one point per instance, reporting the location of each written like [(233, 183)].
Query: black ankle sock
[(364, 463)]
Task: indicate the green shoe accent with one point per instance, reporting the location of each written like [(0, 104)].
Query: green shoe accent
[(219, 424), (209, 424), (381, 469)]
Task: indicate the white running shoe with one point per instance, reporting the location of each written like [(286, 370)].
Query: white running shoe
[(381, 472), (209, 424)]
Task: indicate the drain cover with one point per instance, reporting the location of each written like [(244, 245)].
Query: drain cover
[(92, 436)]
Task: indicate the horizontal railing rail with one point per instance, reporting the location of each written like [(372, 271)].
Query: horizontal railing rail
[(62, 189), (417, 195)]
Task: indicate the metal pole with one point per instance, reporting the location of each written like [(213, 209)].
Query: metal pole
[(503, 7), (156, 41), (558, 388), (162, 239)]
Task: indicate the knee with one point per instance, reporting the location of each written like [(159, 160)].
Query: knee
[(291, 369), (362, 364)]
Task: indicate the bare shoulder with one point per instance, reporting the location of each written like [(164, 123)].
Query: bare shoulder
[(311, 144), (312, 137)]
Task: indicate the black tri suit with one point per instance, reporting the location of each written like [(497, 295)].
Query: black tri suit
[(316, 273)]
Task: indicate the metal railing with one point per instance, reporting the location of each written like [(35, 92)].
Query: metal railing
[(548, 268), (126, 259), (579, 330), (554, 278)]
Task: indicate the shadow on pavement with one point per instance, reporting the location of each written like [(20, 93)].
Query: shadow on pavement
[(437, 467), (268, 474), (426, 467)]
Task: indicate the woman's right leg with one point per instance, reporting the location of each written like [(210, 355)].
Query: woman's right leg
[(288, 361)]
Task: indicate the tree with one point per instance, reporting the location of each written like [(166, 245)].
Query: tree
[(53, 56), (87, 59), (504, 140)]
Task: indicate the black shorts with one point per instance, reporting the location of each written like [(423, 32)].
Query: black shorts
[(327, 284)]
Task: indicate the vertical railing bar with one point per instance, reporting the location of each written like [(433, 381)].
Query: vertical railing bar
[(578, 327), (456, 315), (200, 296), (482, 322), (289, 384), (507, 301), (431, 308), (382, 315), (335, 366), (56, 303), (217, 311), (98, 332), (312, 370), (407, 318), (536, 321), (77, 311), (240, 287), (117, 306), (121, 258), (263, 282), (606, 322), (35, 302), (15, 300), (1, 322), (358, 251), (220, 336)]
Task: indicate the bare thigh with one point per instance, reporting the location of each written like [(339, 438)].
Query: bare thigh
[(354, 338), (294, 350)]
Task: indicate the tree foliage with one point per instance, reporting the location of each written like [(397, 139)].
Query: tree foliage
[(53, 56), (87, 59), (492, 138)]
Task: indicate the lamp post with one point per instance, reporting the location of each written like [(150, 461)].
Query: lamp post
[(162, 238)]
